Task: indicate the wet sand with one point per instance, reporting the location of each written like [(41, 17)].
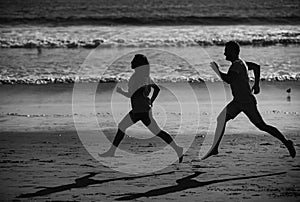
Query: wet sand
[(43, 159)]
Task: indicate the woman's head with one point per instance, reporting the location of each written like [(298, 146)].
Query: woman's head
[(139, 60)]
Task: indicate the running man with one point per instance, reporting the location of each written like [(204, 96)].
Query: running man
[(243, 99), (139, 87)]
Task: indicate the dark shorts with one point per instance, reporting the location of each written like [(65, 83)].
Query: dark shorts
[(250, 109), (141, 116)]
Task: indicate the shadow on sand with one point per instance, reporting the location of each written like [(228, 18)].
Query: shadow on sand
[(182, 184), (187, 183), (81, 183)]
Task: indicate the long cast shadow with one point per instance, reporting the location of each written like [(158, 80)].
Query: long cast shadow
[(187, 183), (82, 182)]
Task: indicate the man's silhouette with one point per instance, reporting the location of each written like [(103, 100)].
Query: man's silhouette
[(243, 99)]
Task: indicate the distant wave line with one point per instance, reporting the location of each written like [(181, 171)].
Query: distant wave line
[(11, 43), (159, 20)]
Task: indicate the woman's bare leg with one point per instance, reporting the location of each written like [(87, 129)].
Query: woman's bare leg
[(155, 129), (123, 125)]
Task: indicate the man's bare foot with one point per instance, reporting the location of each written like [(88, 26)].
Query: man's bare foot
[(211, 153), (291, 148), (180, 154)]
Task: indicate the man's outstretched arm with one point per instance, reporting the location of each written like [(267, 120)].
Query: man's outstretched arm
[(256, 69), (225, 77)]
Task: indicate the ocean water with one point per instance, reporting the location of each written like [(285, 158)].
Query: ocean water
[(87, 36), (168, 64), (45, 41), (155, 12)]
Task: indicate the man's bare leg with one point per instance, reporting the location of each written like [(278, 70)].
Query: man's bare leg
[(277, 134)]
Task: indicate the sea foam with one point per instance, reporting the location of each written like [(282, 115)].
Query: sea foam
[(146, 36)]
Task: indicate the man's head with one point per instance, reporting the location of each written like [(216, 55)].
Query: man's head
[(139, 60), (232, 50)]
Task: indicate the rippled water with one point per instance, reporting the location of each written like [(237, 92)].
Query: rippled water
[(45, 41), (171, 64), (155, 12), (146, 36)]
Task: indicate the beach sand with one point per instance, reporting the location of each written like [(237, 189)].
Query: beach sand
[(43, 158)]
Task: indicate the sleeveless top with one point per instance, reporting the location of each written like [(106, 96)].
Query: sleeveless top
[(240, 86), (139, 88)]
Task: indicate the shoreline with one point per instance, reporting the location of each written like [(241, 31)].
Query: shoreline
[(51, 107), (65, 80), (153, 21)]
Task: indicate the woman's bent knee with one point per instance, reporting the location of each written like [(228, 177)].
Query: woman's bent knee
[(122, 127)]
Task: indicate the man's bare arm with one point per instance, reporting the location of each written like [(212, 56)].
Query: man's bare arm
[(225, 77)]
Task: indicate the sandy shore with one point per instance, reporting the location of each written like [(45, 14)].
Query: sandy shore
[(55, 166), (43, 159)]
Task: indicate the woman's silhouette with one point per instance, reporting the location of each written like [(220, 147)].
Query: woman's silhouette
[(139, 87)]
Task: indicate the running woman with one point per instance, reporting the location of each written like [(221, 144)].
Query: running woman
[(139, 88)]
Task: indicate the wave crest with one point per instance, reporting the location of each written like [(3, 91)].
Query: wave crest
[(114, 79), (146, 36)]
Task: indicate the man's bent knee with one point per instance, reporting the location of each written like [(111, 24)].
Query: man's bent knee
[(223, 118), (261, 126)]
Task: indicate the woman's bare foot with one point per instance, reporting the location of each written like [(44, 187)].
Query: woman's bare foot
[(291, 148), (107, 154)]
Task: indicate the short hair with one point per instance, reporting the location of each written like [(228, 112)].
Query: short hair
[(140, 60), (234, 46)]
